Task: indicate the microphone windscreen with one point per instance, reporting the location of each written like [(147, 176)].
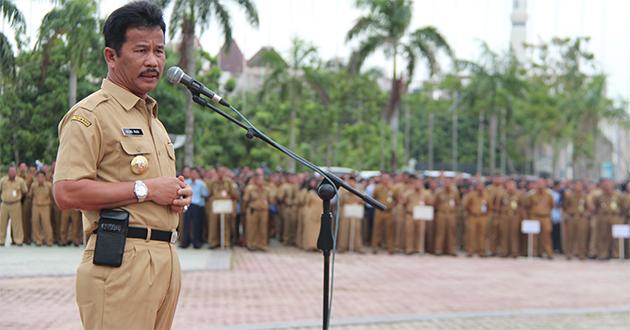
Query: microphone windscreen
[(174, 74)]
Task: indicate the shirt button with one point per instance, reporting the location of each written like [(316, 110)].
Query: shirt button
[(138, 149)]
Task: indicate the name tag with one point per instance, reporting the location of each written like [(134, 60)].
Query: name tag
[(132, 132), (14, 192)]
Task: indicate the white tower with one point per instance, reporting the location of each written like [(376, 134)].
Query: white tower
[(519, 28)]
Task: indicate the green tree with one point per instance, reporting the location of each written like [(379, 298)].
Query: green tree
[(187, 17), (12, 15), (75, 23), (386, 27)]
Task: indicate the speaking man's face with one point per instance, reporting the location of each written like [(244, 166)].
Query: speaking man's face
[(140, 62)]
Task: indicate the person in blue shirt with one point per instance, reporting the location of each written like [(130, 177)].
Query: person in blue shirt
[(194, 216)]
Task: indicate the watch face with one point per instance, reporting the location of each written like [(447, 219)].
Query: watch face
[(141, 190)]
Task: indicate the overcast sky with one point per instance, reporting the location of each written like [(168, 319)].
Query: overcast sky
[(463, 22)]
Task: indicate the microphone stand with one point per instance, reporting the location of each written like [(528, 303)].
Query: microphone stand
[(325, 191)]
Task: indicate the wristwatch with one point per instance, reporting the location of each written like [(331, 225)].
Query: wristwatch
[(141, 191)]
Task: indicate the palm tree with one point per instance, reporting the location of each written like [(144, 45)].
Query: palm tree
[(76, 24), (188, 16), (12, 15), (386, 27), (290, 81)]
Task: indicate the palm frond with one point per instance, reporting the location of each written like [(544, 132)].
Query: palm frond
[(250, 11)]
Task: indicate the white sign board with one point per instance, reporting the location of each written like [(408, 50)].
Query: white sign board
[(353, 211), (530, 227), (621, 231), (222, 206), (423, 212)]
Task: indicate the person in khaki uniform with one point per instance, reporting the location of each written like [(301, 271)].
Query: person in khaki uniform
[(493, 234), (222, 188), (415, 230), (70, 228), (383, 221), (447, 201), (256, 200), (41, 195), (291, 201), (539, 206), (593, 193), (12, 188), (346, 224), (510, 213), (398, 213), (575, 208), (115, 153), (27, 203), (609, 210), (477, 206), (312, 213)]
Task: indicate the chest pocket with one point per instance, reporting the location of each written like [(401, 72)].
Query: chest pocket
[(136, 160)]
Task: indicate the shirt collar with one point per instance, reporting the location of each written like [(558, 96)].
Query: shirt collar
[(127, 99)]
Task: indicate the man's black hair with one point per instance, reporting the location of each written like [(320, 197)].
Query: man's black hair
[(135, 14)]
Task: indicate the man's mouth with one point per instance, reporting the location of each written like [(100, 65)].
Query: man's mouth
[(150, 75)]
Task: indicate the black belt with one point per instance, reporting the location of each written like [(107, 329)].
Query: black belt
[(156, 235)]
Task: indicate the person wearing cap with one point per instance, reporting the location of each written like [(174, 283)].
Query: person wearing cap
[(114, 154)]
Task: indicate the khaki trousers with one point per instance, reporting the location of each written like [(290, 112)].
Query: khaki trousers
[(345, 228), (214, 230), (493, 233), (510, 233), (289, 224), (70, 227), (544, 237), (14, 212), (383, 226), (445, 233), (257, 225), (477, 231), (605, 241), (399, 227), (415, 231), (41, 222), (592, 237), (140, 294), (577, 235), (26, 220)]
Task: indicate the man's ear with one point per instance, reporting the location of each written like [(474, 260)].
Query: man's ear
[(110, 56)]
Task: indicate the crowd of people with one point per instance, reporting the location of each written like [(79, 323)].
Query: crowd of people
[(480, 216)]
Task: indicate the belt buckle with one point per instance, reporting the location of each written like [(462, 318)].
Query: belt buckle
[(174, 237)]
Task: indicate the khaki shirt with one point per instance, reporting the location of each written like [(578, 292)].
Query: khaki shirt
[(222, 189), (539, 204), (447, 201), (476, 204), (510, 204), (415, 198), (574, 203), (609, 204), (385, 195), (95, 143), (41, 193), (256, 198), (11, 191)]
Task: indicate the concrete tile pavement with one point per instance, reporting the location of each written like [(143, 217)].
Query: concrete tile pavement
[(283, 288)]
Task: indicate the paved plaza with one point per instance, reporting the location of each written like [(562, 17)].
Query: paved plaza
[(281, 289)]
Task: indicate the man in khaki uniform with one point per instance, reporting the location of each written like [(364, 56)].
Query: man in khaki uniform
[(539, 206), (290, 200), (256, 200), (26, 203), (398, 212), (447, 201), (222, 188), (576, 212), (12, 188), (383, 221), (477, 206), (493, 234), (114, 153), (41, 195), (350, 229), (609, 210), (509, 214), (415, 230)]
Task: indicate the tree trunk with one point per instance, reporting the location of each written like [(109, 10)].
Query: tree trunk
[(503, 144), (72, 88), (480, 134), (187, 61), (492, 140), (394, 125), (407, 154), (454, 138), (292, 127), (430, 141)]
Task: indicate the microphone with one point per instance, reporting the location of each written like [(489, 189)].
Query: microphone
[(176, 75)]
